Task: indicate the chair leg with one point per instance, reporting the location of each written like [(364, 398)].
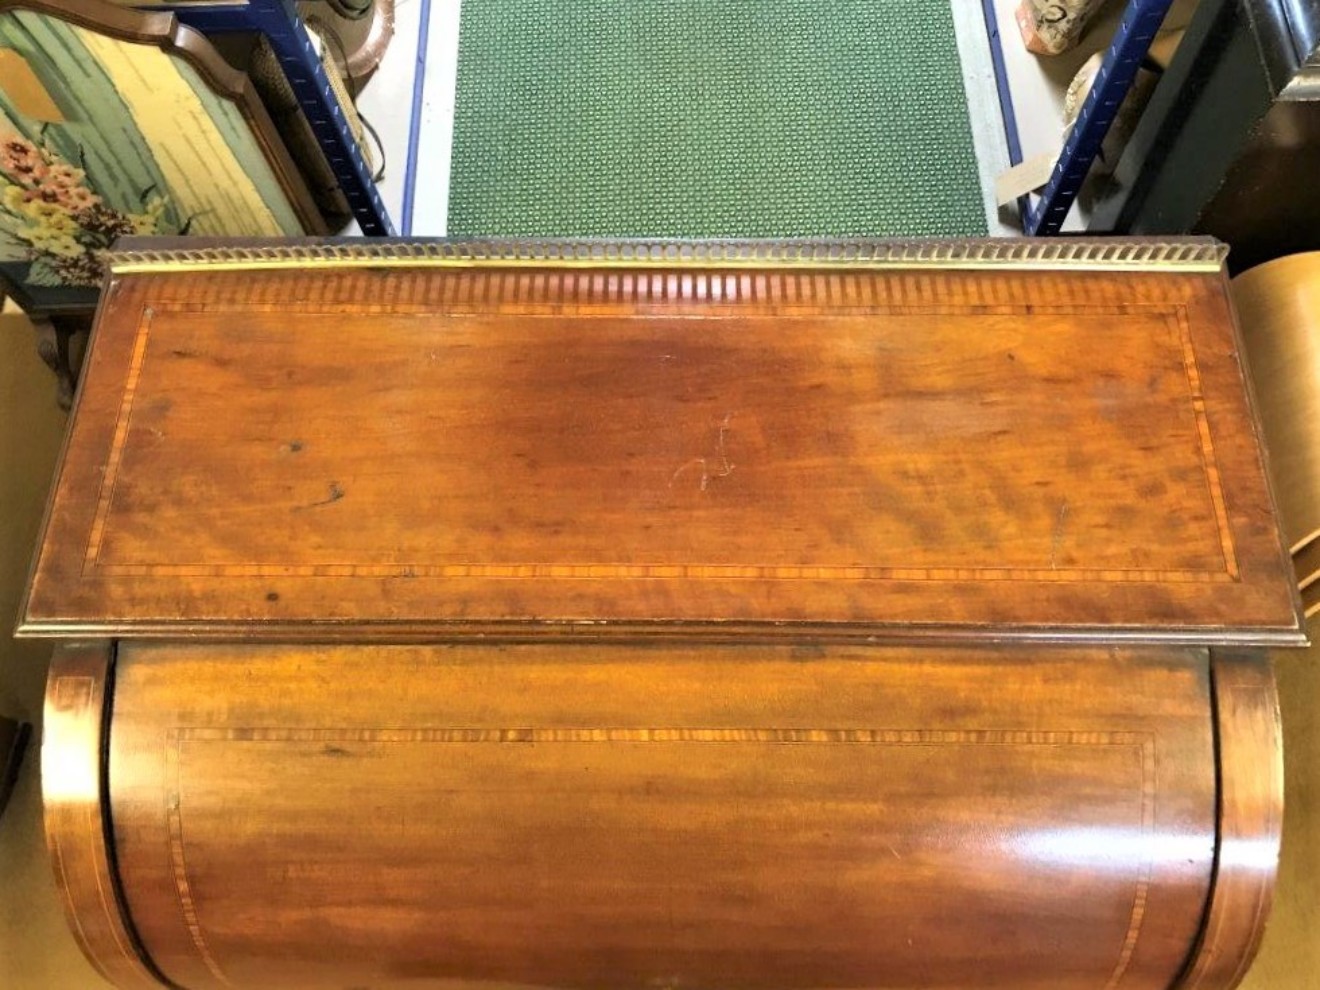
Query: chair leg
[(54, 336), (13, 742)]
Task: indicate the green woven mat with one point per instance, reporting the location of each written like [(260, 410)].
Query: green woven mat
[(690, 118)]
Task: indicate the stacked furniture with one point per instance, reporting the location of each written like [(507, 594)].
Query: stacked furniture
[(1230, 143), (115, 122), (309, 74)]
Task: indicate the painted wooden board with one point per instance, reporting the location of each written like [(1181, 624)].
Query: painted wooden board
[(116, 122)]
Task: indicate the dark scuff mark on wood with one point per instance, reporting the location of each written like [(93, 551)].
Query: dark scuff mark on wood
[(333, 495)]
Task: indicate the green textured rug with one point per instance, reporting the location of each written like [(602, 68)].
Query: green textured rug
[(692, 118)]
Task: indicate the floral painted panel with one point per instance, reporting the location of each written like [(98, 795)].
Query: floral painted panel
[(63, 226), (144, 148)]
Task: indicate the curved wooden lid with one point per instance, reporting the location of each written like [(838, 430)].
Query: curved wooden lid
[(983, 440)]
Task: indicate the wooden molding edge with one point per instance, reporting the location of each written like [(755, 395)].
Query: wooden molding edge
[(705, 631), (1249, 757), (75, 803), (1194, 254), (163, 30)]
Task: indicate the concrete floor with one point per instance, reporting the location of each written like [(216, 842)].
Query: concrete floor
[(38, 953)]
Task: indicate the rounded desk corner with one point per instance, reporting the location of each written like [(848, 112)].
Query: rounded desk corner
[(1250, 818), (76, 809)]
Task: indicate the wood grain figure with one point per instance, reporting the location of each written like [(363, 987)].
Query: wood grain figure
[(728, 616), (860, 453)]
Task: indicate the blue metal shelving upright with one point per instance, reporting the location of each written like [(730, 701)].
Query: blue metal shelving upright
[(1141, 21)]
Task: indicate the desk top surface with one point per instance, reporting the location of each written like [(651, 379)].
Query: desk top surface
[(422, 441)]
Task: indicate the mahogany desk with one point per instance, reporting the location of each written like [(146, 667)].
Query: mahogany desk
[(715, 617)]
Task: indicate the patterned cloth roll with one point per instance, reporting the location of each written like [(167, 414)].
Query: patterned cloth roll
[(1052, 26)]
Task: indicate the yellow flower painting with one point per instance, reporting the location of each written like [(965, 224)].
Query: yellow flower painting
[(47, 205)]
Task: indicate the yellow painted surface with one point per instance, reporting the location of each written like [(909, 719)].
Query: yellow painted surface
[(205, 178), (27, 92)]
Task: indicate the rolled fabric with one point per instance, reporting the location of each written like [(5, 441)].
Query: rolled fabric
[(1050, 27), (362, 30)]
